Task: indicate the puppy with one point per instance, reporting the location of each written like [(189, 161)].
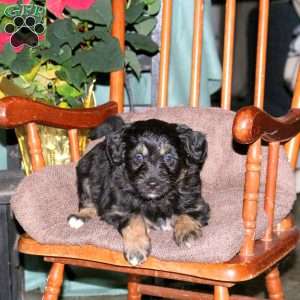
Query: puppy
[(145, 175)]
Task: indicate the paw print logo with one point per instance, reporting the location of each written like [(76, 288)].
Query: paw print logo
[(24, 31)]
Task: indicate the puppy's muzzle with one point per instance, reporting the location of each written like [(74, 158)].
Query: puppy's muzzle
[(152, 183), (153, 188)]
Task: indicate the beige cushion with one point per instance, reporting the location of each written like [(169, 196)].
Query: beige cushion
[(44, 200)]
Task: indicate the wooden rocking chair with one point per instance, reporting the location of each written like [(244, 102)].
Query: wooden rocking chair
[(251, 125)]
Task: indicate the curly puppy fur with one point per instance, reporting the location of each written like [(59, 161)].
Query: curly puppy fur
[(145, 175)]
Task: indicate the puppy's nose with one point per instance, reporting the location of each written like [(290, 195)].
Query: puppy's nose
[(153, 182)]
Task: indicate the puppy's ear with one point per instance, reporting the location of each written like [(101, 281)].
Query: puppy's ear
[(111, 124), (194, 142), (115, 146)]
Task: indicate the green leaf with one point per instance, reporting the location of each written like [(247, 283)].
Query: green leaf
[(99, 13), (98, 32), (24, 62), (153, 7), (103, 57), (19, 81), (63, 32), (133, 62), (141, 42), (57, 54), (43, 44), (66, 90), (33, 72), (146, 26), (73, 75), (7, 56), (47, 72), (134, 11), (75, 103)]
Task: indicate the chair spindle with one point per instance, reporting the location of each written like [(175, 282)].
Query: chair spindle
[(252, 179), (292, 147), (253, 164), (261, 54), (270, 190), (196, 54), (230, 12), (74, 144), (117, 78), (35, 147), (166, 25)]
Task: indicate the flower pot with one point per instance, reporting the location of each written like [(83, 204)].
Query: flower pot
[(55, 145), (55, 141)]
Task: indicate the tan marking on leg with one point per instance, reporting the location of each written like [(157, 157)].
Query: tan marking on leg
[(186, 230), (136, 241), (88, 212)]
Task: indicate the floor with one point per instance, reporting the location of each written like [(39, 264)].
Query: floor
[(290, 270)]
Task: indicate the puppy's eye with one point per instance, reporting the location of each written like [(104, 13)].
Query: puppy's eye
[(168, 157), (138, 157)]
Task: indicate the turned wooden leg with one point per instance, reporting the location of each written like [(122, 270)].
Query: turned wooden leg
[(274, 285), (54, 282), (133, 288), (221, 293)]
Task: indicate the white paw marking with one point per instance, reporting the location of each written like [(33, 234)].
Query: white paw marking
[(167, 226), (134, 261), (75, 223), (188, 245)]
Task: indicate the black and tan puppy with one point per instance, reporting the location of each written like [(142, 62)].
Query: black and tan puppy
[(145, 175)]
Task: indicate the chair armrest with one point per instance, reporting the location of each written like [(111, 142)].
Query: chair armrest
[(251, 123), (17, 111)]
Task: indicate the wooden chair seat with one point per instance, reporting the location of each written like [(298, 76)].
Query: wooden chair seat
[(237, 269)]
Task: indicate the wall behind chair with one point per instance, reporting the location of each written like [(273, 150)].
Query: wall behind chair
[(3, 152)]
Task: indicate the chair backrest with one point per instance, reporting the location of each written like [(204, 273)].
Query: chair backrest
[(118, 30)]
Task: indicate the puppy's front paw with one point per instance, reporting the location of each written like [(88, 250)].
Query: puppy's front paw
[(136, 241), (186, 231), (75, 221), (137, 252)]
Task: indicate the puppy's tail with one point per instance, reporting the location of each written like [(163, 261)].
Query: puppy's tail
[(111, 124)]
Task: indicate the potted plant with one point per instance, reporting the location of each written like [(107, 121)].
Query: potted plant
[(54, 51)]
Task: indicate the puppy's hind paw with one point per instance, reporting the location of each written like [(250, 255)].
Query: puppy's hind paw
[(75, 222)]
